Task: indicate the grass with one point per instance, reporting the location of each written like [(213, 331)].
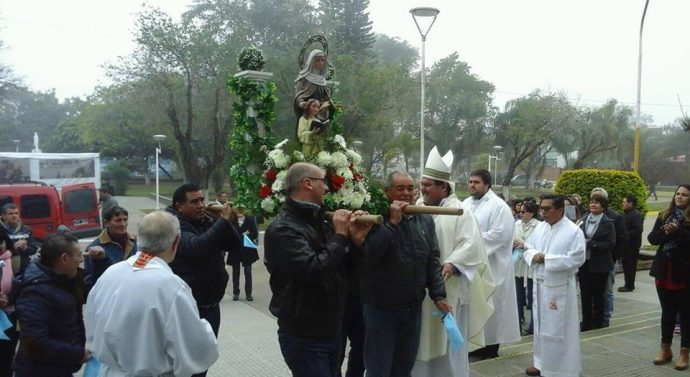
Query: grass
[(166, 189)]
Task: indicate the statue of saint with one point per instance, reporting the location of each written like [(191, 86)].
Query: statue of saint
[(310, 131), (311, 84)]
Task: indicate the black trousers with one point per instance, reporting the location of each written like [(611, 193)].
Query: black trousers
[(592, 297), (211, 313), (353, 329), (630, 267), (236, 279), (675, 303)]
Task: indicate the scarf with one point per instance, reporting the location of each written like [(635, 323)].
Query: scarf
[(6, 282), (592, 224), (676, 216), (310, 74)]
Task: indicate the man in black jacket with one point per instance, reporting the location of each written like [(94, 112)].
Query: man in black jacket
[(49, 296), (304, 256), (401, 262), (200, 258), (634, 223)]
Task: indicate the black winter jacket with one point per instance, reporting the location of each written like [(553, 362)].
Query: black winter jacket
[(679, 256), (200, 259), (600, 247), (400, 262), (634, 223), (305, 260), (49, 312)]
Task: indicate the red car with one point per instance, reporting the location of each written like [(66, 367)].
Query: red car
[(43, 209)]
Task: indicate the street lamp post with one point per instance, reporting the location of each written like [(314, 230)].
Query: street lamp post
[(636, 151), (497, 150), (420, 14), (158, 138), (16, 145)]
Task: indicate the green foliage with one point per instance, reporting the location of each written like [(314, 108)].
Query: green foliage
[(247, 145), (251, 59), (119, 174), (617, 184)]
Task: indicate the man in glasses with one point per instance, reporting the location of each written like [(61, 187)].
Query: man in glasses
[(555, 251), (305, 257), (496, 225)]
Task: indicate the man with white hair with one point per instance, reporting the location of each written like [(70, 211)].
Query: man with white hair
[(141, 318), (465, 270)]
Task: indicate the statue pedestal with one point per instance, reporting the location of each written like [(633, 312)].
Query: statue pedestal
[(259, 76)]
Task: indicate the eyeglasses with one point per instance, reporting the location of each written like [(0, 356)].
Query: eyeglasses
[(545, 209), (317, 179)]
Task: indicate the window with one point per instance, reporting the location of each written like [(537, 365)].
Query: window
[(35, 206), (79, 201), (4, 200)]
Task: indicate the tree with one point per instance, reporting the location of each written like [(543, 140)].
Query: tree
[(347, 23), (23, 112), (599, 130), (458, 107), (527, 123), (182, 67)]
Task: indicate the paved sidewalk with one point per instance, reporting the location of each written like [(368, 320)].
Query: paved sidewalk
[(249, 347)]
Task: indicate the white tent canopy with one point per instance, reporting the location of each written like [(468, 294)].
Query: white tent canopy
[(56, 169)]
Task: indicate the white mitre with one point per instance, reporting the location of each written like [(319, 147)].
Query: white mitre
[(439, 168)]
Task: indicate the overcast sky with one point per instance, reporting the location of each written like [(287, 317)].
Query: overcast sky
[(586, 48)]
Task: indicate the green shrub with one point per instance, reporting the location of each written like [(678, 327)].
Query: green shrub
[(118, 172), (617, 184)]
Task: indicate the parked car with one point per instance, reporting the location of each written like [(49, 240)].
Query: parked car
[(519, 180), (43, 208)]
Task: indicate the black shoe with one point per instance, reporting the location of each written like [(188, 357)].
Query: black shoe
[(625, 289), (585, 327), (250, 298), (235, 297), (604, 324)]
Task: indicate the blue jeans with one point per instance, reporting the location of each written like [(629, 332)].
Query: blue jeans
[(310, 357), (608, 305), (391, 340)]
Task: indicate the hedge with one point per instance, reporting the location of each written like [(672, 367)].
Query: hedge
[(618, 184)]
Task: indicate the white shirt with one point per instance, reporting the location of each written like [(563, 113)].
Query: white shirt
[(145, 322)]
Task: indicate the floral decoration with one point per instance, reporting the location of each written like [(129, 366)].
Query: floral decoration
[(347, 186)]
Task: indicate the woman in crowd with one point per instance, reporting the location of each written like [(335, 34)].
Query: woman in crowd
[(601, 240), (113, 245), (671, 269), (523, 276)]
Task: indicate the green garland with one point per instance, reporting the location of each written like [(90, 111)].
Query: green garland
[(248, 148)]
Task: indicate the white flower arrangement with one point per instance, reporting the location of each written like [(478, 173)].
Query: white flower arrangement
[(347, 185)]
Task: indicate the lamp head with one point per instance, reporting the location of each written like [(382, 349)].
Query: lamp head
[(426, 16), (159, 138), (498, 148)]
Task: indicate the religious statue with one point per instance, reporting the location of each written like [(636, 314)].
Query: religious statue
[(310, 130), (311, 84)]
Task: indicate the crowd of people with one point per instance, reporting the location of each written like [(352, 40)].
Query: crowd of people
[(149, 305)]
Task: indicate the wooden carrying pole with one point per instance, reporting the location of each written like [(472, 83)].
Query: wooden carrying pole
[(411, 210)]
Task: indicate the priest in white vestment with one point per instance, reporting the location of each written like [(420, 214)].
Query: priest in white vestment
[(496, 224), (555, 251), (467, 275), (141, 319)]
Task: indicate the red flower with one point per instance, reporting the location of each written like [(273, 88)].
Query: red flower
[(337, 182), (357, 176), (265, 191), (271, 175)]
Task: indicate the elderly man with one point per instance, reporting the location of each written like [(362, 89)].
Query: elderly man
[(49, 309), (401, 262), (467, 275), (200, 259), (555, 251), (496, 224), (158, 331), (304, 256)]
